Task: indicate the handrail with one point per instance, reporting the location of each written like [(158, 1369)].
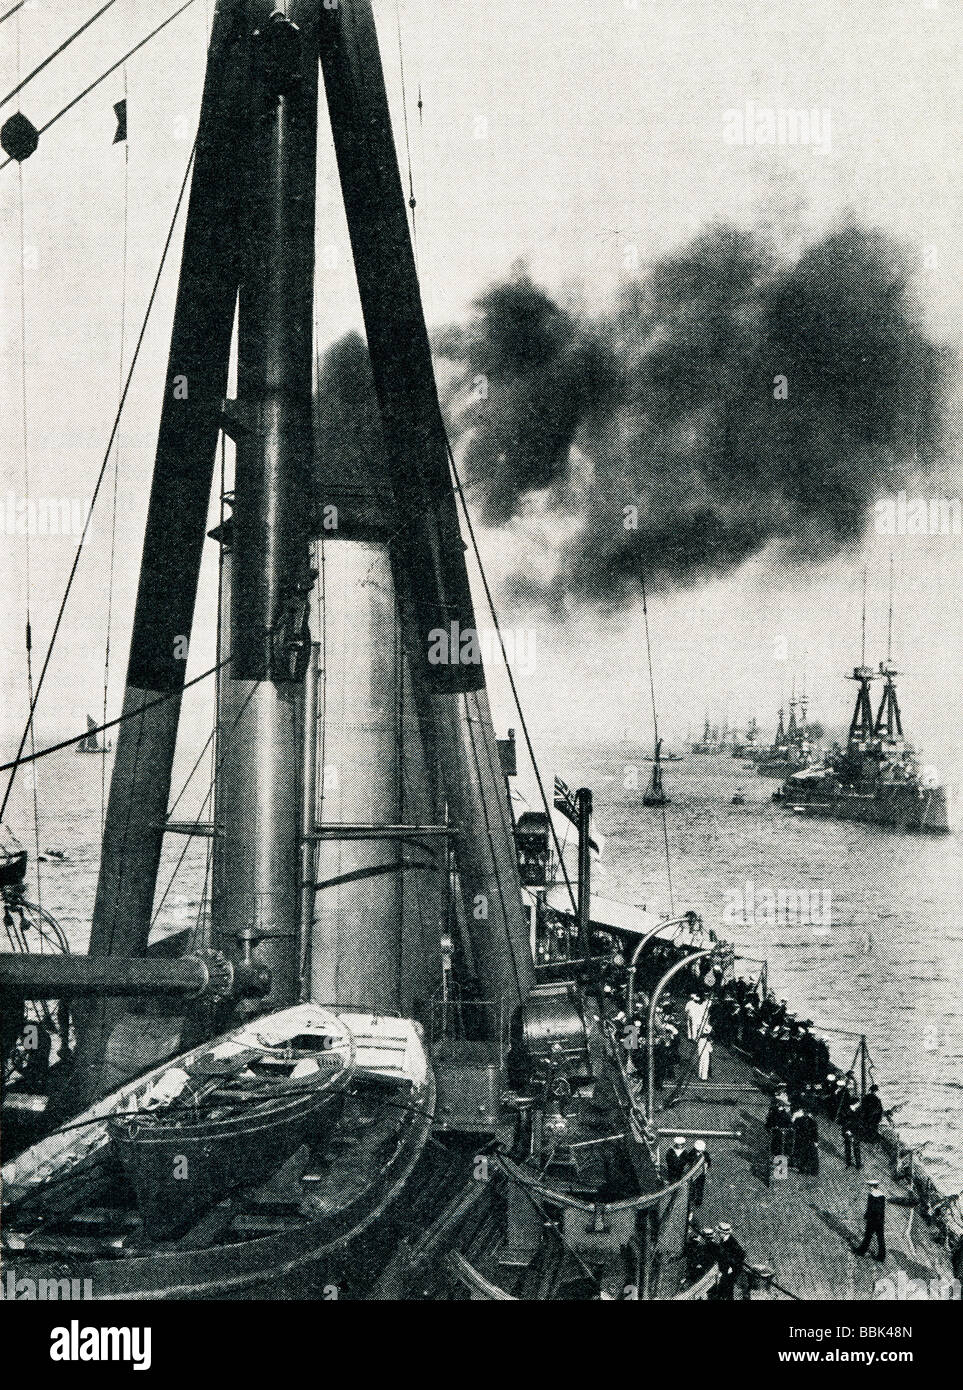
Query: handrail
[(650, 1033), (700, 1287), (637, 951), (522, 1175), (474, 1279)]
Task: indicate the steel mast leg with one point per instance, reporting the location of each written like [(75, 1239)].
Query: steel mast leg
[(259, 913)]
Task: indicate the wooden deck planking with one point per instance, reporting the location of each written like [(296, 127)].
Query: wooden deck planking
[(805, 1228)]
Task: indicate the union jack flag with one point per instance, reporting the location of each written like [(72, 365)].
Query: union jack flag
[(565, 802)]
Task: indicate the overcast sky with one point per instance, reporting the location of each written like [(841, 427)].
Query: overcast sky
[(583, 139)]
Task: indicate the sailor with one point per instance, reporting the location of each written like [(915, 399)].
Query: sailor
[(700, 1254), (870, 1114), (724, 1018), (730, 1257), (835, 1095), (695, 1011), (875, 1220), (805, 1143), (779, 1125), (675, 1164), (704, 1048), (849, 1124), (698, 1185), (673, 1042)]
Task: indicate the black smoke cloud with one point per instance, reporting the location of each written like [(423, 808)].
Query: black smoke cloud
[(735, 400)]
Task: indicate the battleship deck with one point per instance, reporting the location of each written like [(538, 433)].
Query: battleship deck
[(804, 1228)]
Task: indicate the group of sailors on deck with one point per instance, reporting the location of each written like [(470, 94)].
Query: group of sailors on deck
[(777, 1041)]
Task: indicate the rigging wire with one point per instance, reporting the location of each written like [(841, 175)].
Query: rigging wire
[(12, 767), (104, 75), (508, 670), (12, 11), (113, 516), (655, 725), (28, 635), (412, 203), (471, 530), (21, 761), (202, 811), (55, 54), (404, 110)]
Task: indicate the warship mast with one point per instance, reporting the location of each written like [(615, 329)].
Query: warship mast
[(861, 726)]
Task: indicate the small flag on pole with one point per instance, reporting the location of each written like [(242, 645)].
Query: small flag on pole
[(120, 111), (564, 801)]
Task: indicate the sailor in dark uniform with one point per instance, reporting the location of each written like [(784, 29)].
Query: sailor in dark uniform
[(835, 1096), (698, 1186), (779, 1125), (730, 1257), (849, 1124), (875, 1221), (700, 1254), (805, 1142), (675, 1160), (870, 1114)]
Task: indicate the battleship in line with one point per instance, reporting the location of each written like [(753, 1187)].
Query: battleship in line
[(877, 777)]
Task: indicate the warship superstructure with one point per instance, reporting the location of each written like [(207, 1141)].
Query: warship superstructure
[(791, 749)]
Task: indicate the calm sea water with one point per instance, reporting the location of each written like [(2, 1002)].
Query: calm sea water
[(886, 962)]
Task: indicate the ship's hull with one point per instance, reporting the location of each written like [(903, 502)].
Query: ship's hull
[(894, 805), (776, 767)]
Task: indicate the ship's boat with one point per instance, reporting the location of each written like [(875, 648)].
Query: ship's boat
[(230, 1108), (313, 1172), (231, 1114)]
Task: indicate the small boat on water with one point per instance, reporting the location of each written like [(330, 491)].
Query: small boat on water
[(89, 743), (654, 794)]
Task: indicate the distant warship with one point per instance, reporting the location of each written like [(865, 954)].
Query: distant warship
[(709, 743), (747, 747), (791, 748), (876, 777)]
